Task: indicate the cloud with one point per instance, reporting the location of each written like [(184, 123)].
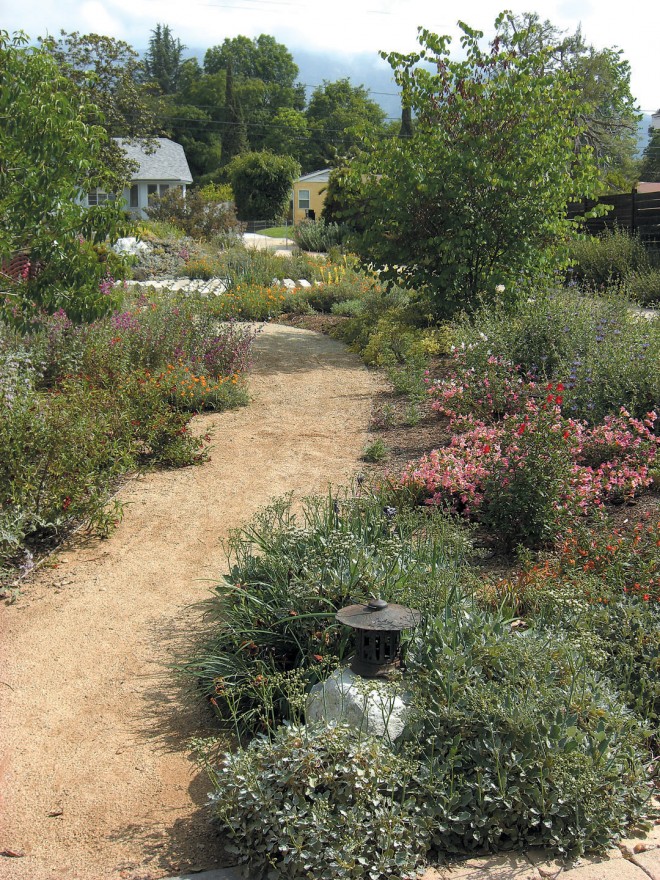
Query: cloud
[(95, 18)]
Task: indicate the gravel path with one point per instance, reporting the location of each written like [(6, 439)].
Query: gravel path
[(95, 779)]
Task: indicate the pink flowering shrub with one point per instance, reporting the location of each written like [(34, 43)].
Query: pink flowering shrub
[(528, 473), (485, 393)]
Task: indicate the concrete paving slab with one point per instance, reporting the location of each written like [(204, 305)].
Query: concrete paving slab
[(615, 869), (502, 867), (649, 862), (216, 874)]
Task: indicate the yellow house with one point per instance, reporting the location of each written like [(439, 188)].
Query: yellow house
[(309, 195)]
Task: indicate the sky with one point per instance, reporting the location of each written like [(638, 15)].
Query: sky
[(348, 27)]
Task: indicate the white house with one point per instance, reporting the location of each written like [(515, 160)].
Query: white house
[(166, 166)]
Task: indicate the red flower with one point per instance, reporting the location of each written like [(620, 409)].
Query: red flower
[(521, 429), (559, 400), (486, 447), (566, 435)]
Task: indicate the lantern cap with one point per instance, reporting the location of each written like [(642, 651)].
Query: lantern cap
[(379, 615)]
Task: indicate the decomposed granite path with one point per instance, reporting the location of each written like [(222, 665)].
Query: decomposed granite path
[(96, 782)]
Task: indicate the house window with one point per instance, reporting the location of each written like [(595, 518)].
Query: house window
[(303, 199), (133, 196), (156, 189), (98, 197)]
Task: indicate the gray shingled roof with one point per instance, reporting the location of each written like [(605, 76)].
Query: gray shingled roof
[(167, 162)]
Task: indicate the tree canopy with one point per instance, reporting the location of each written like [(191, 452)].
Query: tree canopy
[(163, 59), (337, 115), (606, 109), (50, 154), (476, 197), (650, 167)]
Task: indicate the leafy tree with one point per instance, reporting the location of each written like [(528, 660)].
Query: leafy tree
[(197, 132), (650, 168), (49, 154), (162, 61), (261, 58), (337, 115), (261, 183), (288, 133), (477, 197), (234, 134), (264, 75), (606, 109), (117, 86)]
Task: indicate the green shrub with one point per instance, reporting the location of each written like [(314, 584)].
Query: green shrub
[(601, 589), (526, 489), (318, 802), (201, 214), (202, 268), (318, 236), (600, 260), (520, 744), (348, 308), (643, 286), (84, 404)]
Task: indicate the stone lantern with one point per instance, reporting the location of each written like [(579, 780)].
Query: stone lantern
[(360, 695), (378, 626)]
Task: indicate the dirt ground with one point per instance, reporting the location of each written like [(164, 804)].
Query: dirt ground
[(96, 782)]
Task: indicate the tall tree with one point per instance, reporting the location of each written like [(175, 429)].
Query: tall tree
[(606, 109), (163, 59), (476, 198), (234, 133), (261, 58), (650, 167), (264, 80), (337, 114), (117, 86)]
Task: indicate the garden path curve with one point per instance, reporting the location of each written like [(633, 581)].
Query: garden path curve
[(95, 780)]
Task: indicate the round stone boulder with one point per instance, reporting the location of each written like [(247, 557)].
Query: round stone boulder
[(369, 705)]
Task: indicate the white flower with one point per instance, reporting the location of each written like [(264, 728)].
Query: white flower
[(500, 288)]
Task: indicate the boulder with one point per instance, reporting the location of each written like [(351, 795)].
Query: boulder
[(373, 706)]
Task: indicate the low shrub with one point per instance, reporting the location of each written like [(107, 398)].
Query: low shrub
[(85, 403), (201, 214), (643, 286), (256, 302), (202, 268), (512, 742), (530, 472), (519, 743), (376, 451), (601, 260), (601, 588), (318, 236), (319, 802)]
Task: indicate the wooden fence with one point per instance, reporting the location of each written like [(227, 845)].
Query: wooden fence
[(637, 212)]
